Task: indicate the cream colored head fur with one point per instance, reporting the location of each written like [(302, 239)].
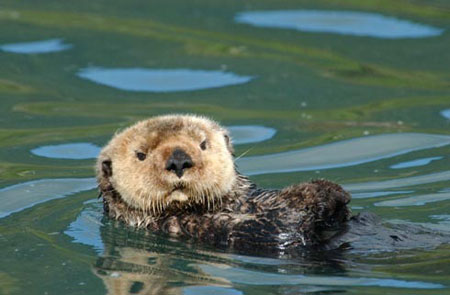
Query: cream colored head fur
[(134, 163)]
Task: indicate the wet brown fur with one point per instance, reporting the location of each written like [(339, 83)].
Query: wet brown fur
[(211, 201)]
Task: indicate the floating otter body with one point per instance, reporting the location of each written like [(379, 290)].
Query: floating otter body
[(175, 174)]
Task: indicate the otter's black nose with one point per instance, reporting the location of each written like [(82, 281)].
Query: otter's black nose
[(178, 162)]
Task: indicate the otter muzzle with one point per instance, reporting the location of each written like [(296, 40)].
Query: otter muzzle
[(178, 162)]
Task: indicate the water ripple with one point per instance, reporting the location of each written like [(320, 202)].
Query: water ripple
[(446, 113), (45, 46), (399, 182), (206, 290), (86, 228), (415, 163), (161, 80), (341, 154), (250, 133), (77, 151), (248, 277), (378, 194), (339, 22), (20, 196), (415, 200)]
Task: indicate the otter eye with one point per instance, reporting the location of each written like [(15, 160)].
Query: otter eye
[(203, 145), (141, 156)]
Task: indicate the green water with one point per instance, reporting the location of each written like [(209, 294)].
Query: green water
[(314, 89)]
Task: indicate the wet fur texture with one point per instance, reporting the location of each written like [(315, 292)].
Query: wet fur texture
[(212, 201)]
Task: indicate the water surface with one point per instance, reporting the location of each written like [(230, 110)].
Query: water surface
[(300, 104)]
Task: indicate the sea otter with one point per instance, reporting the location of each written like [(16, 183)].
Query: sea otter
[(175, 174)]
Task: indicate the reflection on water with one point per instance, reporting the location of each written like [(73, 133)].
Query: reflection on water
[(415, 200), (341, 154), (25, 195), (161, 80), (134, 260), (248, 277), (250, 133), (339, 22), (82, 150), (446, 113), (415, 163), (86, 228), (45, 46)]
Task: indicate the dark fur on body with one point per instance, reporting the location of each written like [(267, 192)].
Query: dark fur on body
[(246, 218)]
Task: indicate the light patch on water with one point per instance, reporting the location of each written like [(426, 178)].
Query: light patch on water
[(161, 80), (442, 218), (339, 22), (398, 183), (341, 154), (20, 196), (415, 200), (86, 228), (44, 46), (415, 163), (259, 260), (436, 228), (367, 195), (242, 276), (207, 290), (250, 133), (446, 113), (77, 151)]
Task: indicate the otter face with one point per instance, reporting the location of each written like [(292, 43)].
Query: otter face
[(168, 161)]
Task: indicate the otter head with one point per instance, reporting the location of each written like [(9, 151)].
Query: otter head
[(168, 161)]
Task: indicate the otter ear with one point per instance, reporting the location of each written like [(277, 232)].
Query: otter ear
[(107, 168), (228, 143), (104, 173), (104, 165)]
